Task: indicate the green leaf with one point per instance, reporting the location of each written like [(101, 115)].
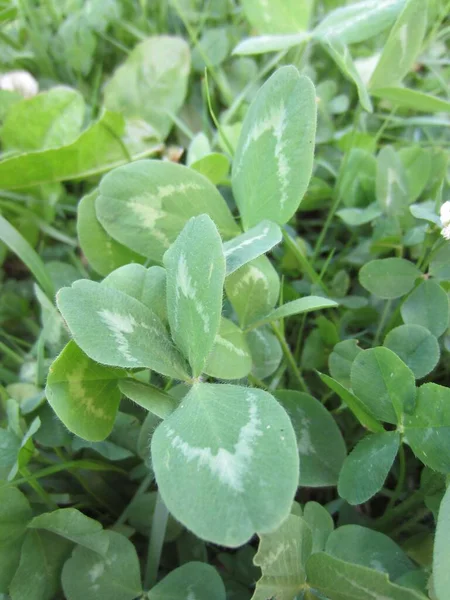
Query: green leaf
[(145, 205), (320, 523), (414, 99), (73, 525), (199, 580), (296, 307), (195, 266), (341, 55), (146, 285), (15, 512), (355, 217), (38, 576), (427, 431), (99, 148), (273, 161), (270, 43), (103, 253), (265, 350), (417, 162), (248, 246), (389, 278), (52, 118), (441, 552), (9, 449), (83, 393), (148, 396), (383, 382), (214, 166), (428, 306), (152, 83), (367, 466), (341, 359), (286, 16), (320, 444), (232, 451), (211, 50), (253, 290), (282, 556), (358, 408), (114, 329), (393, 195), (369, 548), (340, 580), (416, 346), (115, 575), (440, 263), (18, 244), (360, 21), (230, 356), (402, 46)]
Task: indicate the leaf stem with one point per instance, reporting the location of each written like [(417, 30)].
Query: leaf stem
[(304, 264), (400, 481), (145, 484), (290, 358), (155, 542), (382, 322)]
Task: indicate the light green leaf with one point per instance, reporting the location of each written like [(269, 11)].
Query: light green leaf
[(212, 47), (9, 449), (103, 253), (273, 161), (197, 579), (241, 478), (441, 552), (281, 556), (393, 195), (286, 16), (99, 148), (265, 350), (146, 285), (367, 466), (230, 356), (416, 346), (341, 55), (389, 278), (214, 166), (414, 99), (440, 263), (73, 525), (145, 205), (427, 431), (341, 359), (195, 266), (83, 393), (340, 580), (38, 576), (53, 118), (428, 306), (358, 408), (320, 523), (320, 444), (115, 575), (19, 245), (354, 217), (369, 548), (15, 512), (253, 290), (152, 83), (383, 382), (403, 45), (360, 21), (417, 163), (115, 329), (248, 246), (296, 307), (148, 396), (270, 43)]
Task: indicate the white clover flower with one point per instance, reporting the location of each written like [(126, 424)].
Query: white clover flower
[(445, 220), (21, 82)]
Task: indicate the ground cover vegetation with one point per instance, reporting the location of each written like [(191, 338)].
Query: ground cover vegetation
[(224, 307)]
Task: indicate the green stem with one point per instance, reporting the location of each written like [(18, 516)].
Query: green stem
[(382, 322), (39, 489), (155, 542), (257, 382), (290, 358), (304, 264), (145, 484), (400, 481)]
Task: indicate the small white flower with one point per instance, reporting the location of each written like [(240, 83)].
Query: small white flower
[(21, 82), (445, 220)]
